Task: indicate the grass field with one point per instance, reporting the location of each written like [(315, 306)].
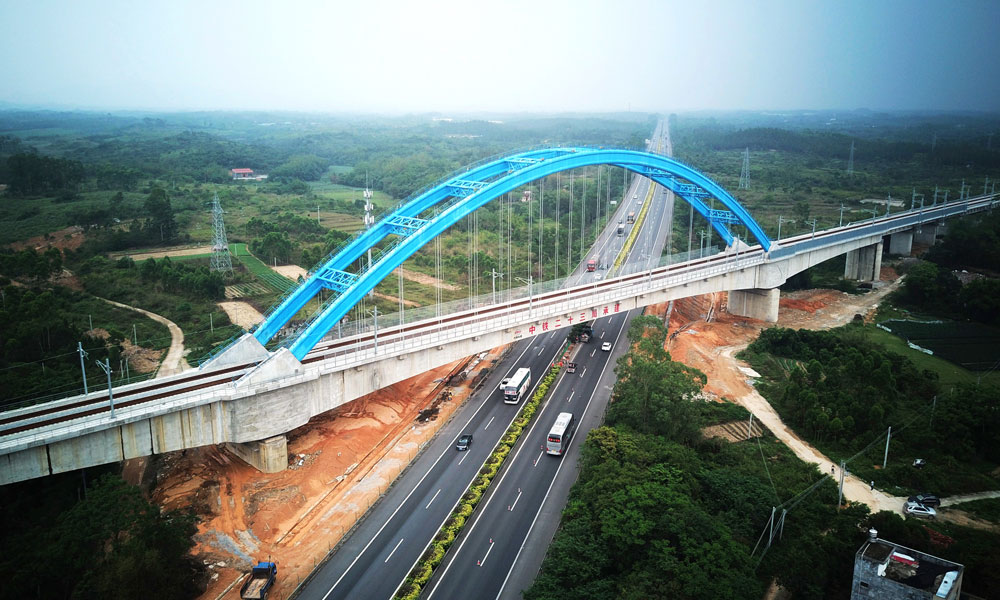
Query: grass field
[(973, 346), (259, 269), (948, 372)]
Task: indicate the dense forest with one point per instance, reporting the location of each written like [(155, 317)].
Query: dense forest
[(67, 538), (659, 511)]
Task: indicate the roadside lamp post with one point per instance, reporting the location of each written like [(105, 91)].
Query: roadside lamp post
[(106, 367), (841, 216), (701, 242)]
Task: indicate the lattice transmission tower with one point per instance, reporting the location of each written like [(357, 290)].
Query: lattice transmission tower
[(745, 173), (850, 160), (221, 261)]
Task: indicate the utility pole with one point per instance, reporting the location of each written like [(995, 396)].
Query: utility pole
[(780, 221), (813, 223), (841, 215), (79, 348), (840, 490), (885, 458), (106, 367), (495, 274), (374, 314)]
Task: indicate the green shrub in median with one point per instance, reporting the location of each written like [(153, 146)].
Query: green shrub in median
[(422, 572)]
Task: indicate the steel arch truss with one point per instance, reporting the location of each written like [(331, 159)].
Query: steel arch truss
[(454, 199)]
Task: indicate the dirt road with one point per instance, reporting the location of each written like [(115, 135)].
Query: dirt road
[(174, 362), (710, 347)]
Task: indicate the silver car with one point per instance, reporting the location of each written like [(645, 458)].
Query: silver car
[(919, 510)]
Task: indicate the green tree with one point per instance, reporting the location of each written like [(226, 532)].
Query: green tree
[(160, 222)]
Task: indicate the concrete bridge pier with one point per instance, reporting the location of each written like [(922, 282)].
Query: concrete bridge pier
[(927, 234), (901, 243), (755, 303), (864, 264), (268, 456)]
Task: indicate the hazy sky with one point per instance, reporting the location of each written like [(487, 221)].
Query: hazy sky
[(467, 55)]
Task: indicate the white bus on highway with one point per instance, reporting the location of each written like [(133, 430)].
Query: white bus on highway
[(518, 384), (561, 434)]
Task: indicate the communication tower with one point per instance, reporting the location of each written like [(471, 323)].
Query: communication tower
[(745, 173), (850, 160), (221, 261)]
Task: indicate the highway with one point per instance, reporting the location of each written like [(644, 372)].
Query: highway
[(378, 555), (503, 545)]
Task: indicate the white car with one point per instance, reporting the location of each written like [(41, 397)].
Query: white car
[(503, 384), (919, 510), (606, 346)]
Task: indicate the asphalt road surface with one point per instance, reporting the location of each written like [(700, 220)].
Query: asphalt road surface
[(507, 529)]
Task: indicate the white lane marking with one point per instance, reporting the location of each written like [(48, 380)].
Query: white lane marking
[(562, 462), (584, 370), (497, 483), (539, 458), (459, 499), (592, 352), (570, 399), (433, 499), (393, 551), (415, 487), (611, 320), (464, 456), (482, 562), (540, 350), (511, 507), (602, 335), (489, 423)]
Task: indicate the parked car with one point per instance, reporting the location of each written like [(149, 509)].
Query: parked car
[(919, 510), (464, 442), (925, 499), (606, 346)]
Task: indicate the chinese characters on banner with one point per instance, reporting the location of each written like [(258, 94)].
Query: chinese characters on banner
[(548, 325)]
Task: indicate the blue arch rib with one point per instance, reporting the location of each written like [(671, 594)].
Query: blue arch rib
[(473, 189)]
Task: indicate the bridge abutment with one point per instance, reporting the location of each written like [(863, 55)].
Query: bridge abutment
[(864, 264), (757, 304), (268, 456)]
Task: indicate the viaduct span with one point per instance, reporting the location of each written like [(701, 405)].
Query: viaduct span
[(248, 397)]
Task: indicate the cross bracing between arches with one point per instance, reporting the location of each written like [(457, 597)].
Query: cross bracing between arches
[(459, 196)]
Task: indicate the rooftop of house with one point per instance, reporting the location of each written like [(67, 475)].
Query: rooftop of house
[(910, 567)]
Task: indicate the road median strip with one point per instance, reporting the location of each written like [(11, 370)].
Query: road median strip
[(422, 572), (633, 234)]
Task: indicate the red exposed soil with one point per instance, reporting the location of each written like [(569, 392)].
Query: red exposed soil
[(341, 462)]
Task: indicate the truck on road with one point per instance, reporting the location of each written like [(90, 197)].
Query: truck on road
[(631, 217), (260, 582), (592, 264)]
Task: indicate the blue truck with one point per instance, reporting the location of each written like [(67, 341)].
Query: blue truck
[(261, 580)]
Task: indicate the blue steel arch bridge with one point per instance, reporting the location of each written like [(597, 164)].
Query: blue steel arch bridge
[(453, 199)]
